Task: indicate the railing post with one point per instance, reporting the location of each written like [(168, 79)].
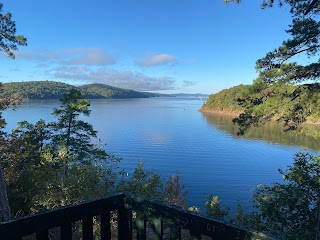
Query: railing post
[(87, 228), (105, 226), (124, 221), (66, 231), (43, 235), (5, 213), (175, 232)]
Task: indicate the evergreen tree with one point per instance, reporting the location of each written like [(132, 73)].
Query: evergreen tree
[(71, 132), (20, 152), (9, 41)]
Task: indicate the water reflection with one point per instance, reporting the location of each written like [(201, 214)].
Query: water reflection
[(271, 132)]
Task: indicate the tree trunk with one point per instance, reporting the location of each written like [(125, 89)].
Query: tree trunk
[(5, 213)]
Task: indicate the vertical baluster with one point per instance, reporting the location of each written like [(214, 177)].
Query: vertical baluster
[(43, 235), (87, 228), (124, 224), (157, 226), (195, 232), (105, 226), (66, 231), (141, 226), (175, 232)]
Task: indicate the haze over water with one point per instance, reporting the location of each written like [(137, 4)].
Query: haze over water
[(169, 135)]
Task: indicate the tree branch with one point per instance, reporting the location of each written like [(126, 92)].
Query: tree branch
[(297, 52)]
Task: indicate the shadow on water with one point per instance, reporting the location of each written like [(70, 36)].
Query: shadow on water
[(271, 132)]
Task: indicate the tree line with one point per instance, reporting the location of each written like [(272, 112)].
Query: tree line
[(56, 90)]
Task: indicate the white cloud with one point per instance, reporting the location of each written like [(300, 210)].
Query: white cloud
[(123, 79), (73, 56), (156, 60)]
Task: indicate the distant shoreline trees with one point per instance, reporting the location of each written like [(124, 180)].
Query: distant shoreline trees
[(56, 90)]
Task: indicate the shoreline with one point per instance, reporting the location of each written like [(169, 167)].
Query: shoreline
[(219, 112), (236, 114)]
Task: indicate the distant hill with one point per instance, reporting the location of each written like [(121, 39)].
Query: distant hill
[(98, 90), (55, 90), (187, 95)]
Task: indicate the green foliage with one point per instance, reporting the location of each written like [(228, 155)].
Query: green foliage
[(147, 183), (5, 103), (174, 191), (194, 209), (49, 165), (291, 209), (36, 89), (9, 41), (305, 32), (227, 99), (288, 210), (257, 103), (20, 152), (150, 184), (214, 209), (97, 90), (62, 180), (290, 104), (56, 90), (73, 133)]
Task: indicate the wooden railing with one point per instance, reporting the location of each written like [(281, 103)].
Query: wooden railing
[(122, 216)]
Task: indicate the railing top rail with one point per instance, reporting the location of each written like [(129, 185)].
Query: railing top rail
[(83, 204), (53, 218), (149, 207), (188, 219)]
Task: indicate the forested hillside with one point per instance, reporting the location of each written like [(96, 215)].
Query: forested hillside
[(278, 101), (36, 89), (56, 90), (98, 90), (226, 100)]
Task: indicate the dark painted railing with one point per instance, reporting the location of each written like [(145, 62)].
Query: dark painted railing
[(122, 216)]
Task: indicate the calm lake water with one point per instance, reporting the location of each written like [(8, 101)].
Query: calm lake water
[(169, 134)]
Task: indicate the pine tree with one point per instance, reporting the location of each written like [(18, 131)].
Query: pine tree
[(9, 41), (71, 132)]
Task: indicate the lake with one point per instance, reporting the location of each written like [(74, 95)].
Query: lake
[(170, 134)]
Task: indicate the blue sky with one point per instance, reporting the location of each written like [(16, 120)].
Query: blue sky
[(167, 46)]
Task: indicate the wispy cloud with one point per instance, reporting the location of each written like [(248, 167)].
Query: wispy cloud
[(156, 60), (73, 56), (123, 79), (187, 83)]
